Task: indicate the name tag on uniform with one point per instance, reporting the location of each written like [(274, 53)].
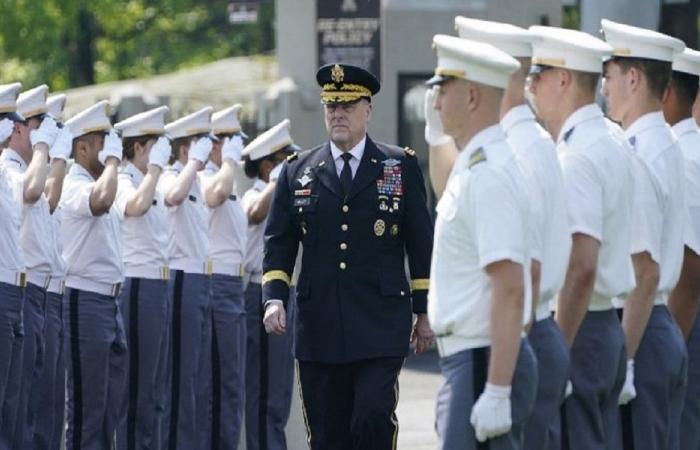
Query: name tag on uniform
[(192, 198), (302, 201), (232, 197)]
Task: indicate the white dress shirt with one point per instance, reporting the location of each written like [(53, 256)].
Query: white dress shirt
[(357, 151), (482, 219), (598, 171), (91, 245), (144, 238), (688, 136), (256, 232), (537, 158), (188, 244), (11, 257)]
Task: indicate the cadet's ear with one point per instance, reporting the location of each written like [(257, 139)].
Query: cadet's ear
[(473, 96)]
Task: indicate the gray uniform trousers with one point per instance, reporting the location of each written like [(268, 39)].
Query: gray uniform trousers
[(11, 340), (652, 420), (690, 419), (145, 306), (543, 428), (96, 361), (189, 380), (32, 365), (51, 400), (590, 415), (465, 376), (228, 360), (269, 375)]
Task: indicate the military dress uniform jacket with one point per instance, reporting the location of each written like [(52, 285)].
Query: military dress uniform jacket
[(353, 298)]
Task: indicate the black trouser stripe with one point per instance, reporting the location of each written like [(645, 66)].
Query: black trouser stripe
[(77, 378), (262, 411), (627, 429), (133, 363), (216, 389), (480, 371), (175, 390)]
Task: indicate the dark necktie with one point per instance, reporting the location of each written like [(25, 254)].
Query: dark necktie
[(346, 173)]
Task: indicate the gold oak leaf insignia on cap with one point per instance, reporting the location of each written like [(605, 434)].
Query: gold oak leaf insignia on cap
[(337, 73)]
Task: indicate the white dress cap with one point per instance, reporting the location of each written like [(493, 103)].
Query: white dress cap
[(269, 142), (688, 62), (515, 41), (55, 105), (95, 118), (191, 125), (226, 120), (33, 102), (568, 49), (8, 100), (151, 122), (471, 60), (634, 42)]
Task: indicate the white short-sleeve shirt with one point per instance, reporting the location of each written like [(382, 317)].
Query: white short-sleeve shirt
[(91, 244), (58, 264), (35, 230), (598, 171), (11, 257), (482, 219), (227, 225), (256, 232), (187, 223), (660, 212), (537, 158), (144, 238), (688, 136)]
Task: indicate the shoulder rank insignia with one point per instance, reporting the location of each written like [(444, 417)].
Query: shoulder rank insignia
[(409, 152), (292, 157), (476, 157)]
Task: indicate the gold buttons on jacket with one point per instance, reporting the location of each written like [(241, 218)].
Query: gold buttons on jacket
[(344, 227), (346, 208), (342, 266), (343, 246)]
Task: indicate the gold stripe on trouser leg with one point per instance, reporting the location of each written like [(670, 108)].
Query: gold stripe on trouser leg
[(303, 406)]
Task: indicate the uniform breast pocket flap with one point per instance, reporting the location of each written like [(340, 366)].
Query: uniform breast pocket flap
[(305, 204)]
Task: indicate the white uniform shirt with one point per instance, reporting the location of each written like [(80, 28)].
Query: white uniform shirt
[(688, 136), (91, 245), (58, 264), (187, 225), (256, 232), (659, 209), (227, 225), (482, 219), (144, 238), (35, 230), (537, 157), (357, 151), (11, 257), (598, 171)]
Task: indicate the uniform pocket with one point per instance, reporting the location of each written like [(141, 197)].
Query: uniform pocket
[(393, 285)]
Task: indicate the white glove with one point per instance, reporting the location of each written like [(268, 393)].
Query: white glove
[(62, 146), (6, 127), (232, 149), (569, 389), (200, 149), (46, 133), (112, 148), (434, 135), (160, 152), (275, 172), (491, 412), (628, 392)]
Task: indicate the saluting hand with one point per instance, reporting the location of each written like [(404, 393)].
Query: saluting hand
[(422, 335), (275, 320)]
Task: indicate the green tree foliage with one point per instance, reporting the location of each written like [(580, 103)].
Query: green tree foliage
[(68, 43)]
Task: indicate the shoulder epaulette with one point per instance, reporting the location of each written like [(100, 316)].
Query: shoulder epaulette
[(409, 152), (292, 157), (477, 157)]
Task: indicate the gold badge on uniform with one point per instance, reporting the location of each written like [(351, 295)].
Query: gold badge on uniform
[(394, 230), (379, 227)]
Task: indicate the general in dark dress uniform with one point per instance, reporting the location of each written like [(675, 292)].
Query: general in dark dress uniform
[(359, 209)]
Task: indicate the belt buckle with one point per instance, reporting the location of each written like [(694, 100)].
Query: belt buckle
[(164, 273), (22, 279), (116, 287)]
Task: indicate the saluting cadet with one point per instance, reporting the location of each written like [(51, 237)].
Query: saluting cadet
[(12, 276), (598, 179), (635, 82), (227, 234), (26, 159), (480, 284), (551, 240), (187, 402), (358, 208), (269, 359), (144, 297), (48, 429), (95, 345), (683, 299)]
